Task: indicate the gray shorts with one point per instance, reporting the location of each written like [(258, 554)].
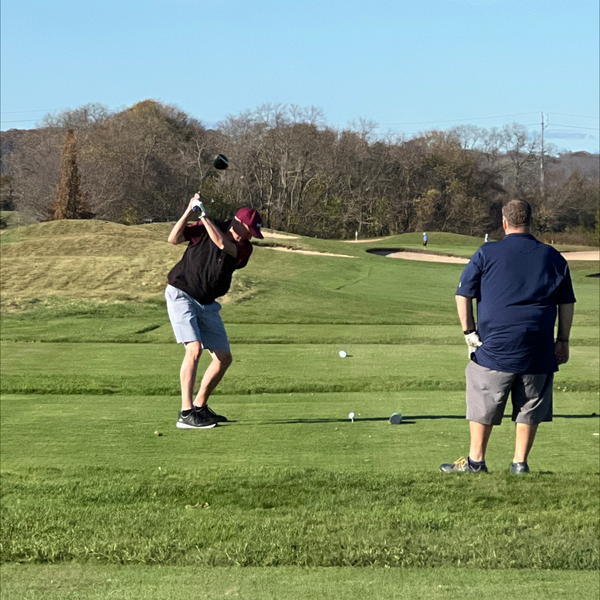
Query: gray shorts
[(488, 390), (195, 322)]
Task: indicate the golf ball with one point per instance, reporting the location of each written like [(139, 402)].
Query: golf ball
[(343, 354), (351, 416)]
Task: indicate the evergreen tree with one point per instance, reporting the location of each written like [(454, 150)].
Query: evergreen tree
[(71, 201)]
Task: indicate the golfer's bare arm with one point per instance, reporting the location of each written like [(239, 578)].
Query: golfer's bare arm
[(218, 238), (565, 321), (464, 306), (216, 235), (176, 235)]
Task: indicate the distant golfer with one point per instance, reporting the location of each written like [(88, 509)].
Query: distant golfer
[(487, 238), (425, 240), (215, 250), (520, 285)]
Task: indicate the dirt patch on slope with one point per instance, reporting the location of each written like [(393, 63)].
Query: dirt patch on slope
[(280, 236), (312, 252)]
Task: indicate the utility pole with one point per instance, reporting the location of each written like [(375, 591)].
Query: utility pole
[(544, 125)]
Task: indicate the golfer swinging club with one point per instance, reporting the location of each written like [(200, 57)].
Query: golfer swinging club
[(215, 250)]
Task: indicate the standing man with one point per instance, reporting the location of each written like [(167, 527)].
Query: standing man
[(215, 250), (520, 286), (424, 239)]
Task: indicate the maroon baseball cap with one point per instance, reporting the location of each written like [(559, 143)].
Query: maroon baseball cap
[(250, 217)]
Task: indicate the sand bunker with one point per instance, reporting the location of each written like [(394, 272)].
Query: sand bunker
[(586, 255), (428, 257)]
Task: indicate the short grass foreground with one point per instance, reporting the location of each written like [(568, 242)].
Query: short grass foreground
[(102, 497), (291, 482)]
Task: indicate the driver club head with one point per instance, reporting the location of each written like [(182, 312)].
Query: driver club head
[(221, 162)]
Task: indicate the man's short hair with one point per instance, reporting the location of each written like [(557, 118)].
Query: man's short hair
[(517, 213)]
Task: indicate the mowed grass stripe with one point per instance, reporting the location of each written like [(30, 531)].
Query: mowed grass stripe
[(156, 330), (93, 582), (282, 431), (257, 368)]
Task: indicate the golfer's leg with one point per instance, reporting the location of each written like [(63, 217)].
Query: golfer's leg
[(187, 374), (221, 359), (525, 435), (487, 393), (480, 435)]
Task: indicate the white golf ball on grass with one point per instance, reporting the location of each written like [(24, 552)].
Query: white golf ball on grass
[(342, 354)]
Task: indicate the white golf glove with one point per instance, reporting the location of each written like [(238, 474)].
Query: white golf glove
[(473, 342), (197, 205)]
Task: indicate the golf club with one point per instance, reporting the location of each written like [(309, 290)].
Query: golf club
[(220, 163)]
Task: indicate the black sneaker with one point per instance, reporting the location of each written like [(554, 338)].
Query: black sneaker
[(519, 468), (462, 465), (195, 421), (207, 412)]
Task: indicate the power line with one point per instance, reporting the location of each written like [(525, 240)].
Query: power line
[(16, 112), (22, 121), (575, 127), (576, 116), (456, 120)]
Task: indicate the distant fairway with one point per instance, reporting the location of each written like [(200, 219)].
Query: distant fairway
[(93, 500)]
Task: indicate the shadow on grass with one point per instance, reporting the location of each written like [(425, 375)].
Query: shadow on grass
[(405, 421), (408, 420)]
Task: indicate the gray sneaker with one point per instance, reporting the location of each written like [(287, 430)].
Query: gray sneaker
[(462, 465), (195, 421), (519, 468)]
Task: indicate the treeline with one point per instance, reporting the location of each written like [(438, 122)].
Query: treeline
[(305, 177)]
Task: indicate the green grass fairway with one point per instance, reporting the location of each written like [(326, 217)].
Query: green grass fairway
[(26, 582), (73, 431), (102, 497)]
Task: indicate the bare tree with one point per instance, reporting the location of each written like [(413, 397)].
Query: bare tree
[(71, 201), (34, 165), (523, 151)]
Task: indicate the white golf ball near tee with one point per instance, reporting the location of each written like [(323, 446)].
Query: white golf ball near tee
[(342, 354), (351, 416)]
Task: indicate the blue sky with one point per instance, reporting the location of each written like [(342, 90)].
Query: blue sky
[(410, 66)]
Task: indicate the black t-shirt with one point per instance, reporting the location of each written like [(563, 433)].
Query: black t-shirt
[(205, 271)]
